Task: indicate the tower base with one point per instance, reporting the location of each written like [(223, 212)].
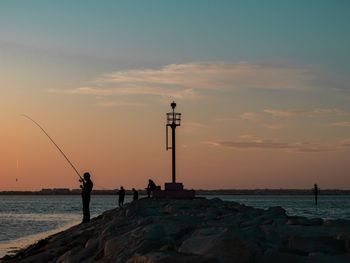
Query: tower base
[(174, 191), (173, 186)]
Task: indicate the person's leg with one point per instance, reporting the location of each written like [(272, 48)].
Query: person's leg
[(86, 209)]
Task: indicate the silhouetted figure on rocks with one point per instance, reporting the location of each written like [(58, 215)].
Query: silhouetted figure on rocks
[(316, 192), (151, 187), (121, 194), (86, 188), (135, 194)]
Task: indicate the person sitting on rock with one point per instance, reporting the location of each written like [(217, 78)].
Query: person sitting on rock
[(121, 194), (150, 188), (135, 194)]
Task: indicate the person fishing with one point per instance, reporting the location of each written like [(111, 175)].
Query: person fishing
[(86, 188), (86, 185)]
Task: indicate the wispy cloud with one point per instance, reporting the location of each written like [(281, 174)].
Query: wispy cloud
[(301, 147), (123, 91), (304, 113), (191, 127), (340, 124), (226, 119), (213, 75), (262, 144), (274, 126), (249, 137), (287, 113), (118, 104), (188, 81), (250, 116)]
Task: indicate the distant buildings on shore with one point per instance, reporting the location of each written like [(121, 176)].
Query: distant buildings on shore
[(57, 191), (67, 191)]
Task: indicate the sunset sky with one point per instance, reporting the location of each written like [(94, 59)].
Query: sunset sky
[(263, 87)]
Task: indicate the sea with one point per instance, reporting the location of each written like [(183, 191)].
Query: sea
[(25, 219)]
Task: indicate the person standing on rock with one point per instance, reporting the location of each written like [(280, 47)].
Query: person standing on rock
[(150, 187), (316, 192), (121, 194), (86, 188), (135, 194)]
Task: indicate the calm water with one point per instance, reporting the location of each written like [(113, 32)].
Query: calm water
[(329, 207), (24, 219)]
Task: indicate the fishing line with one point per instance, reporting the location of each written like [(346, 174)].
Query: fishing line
[(41, 128)]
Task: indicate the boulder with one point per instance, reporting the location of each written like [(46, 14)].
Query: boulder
[(198, 230)]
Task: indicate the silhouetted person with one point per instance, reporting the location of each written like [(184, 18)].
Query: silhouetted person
[(86, 188), (135, 194), (150, 187), (316, 192), (121, 194)]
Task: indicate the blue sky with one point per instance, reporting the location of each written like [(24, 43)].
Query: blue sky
[(164, 32)]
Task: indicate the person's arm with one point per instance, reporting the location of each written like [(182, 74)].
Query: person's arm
[(82, 183)]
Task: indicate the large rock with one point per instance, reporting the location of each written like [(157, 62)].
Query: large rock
[(198, 230)]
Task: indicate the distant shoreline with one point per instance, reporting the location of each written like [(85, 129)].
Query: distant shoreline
[(198, 192)]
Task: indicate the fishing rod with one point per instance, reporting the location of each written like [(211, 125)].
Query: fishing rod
[(41, 128)]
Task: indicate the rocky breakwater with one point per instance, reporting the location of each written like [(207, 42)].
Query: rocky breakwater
[(198, 230)]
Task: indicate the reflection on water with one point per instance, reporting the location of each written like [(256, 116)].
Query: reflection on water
[(25, 219), (12, 246), (28, 224)]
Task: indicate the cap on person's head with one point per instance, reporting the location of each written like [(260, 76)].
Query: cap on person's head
[(87, 175)]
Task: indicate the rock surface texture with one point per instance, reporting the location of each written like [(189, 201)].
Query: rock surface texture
[(197, 230)]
